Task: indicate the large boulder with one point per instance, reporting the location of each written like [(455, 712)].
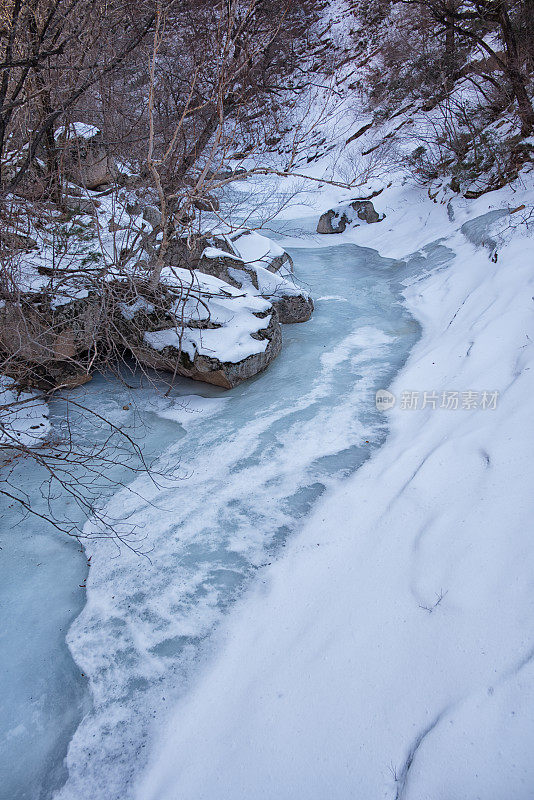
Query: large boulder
[(213, 332), (291, 301), (336, 219), (186, 252), (206, 203), (292, 307), (86, 159)]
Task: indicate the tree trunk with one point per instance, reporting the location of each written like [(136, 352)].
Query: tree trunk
[(514, 73), (52, 160), (450, 49), (198, 147)]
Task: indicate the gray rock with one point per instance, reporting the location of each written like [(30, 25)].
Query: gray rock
[(152, 215), (331, 222), (279, 262), (220, 175), (336, 219), (188, 253), (81, 205), (114, 226), (292, 308), (134, 209), (180, 253), (365, 211), (226, 267), (86, 160), (207, 203)]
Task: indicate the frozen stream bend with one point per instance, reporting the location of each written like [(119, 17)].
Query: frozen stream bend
[(254, 461)]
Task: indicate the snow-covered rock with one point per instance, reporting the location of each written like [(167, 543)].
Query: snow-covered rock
[(214, 333), (86, 158), (292, 302), (225, 266), (336, 219)]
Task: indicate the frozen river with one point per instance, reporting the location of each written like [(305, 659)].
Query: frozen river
[(251, 463)]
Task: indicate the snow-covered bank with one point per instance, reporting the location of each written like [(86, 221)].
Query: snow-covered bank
[(388, 654)]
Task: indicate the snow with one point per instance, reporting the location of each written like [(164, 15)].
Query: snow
[(388, 653), (256, 250), (215, 252), (270, 284), (78, 129), (23, 416), (129, 310), (66, 296), (229, 344)]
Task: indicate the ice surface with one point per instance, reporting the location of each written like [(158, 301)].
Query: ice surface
[(186, 410), (23, 415), (43, 693), (42, 585)]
